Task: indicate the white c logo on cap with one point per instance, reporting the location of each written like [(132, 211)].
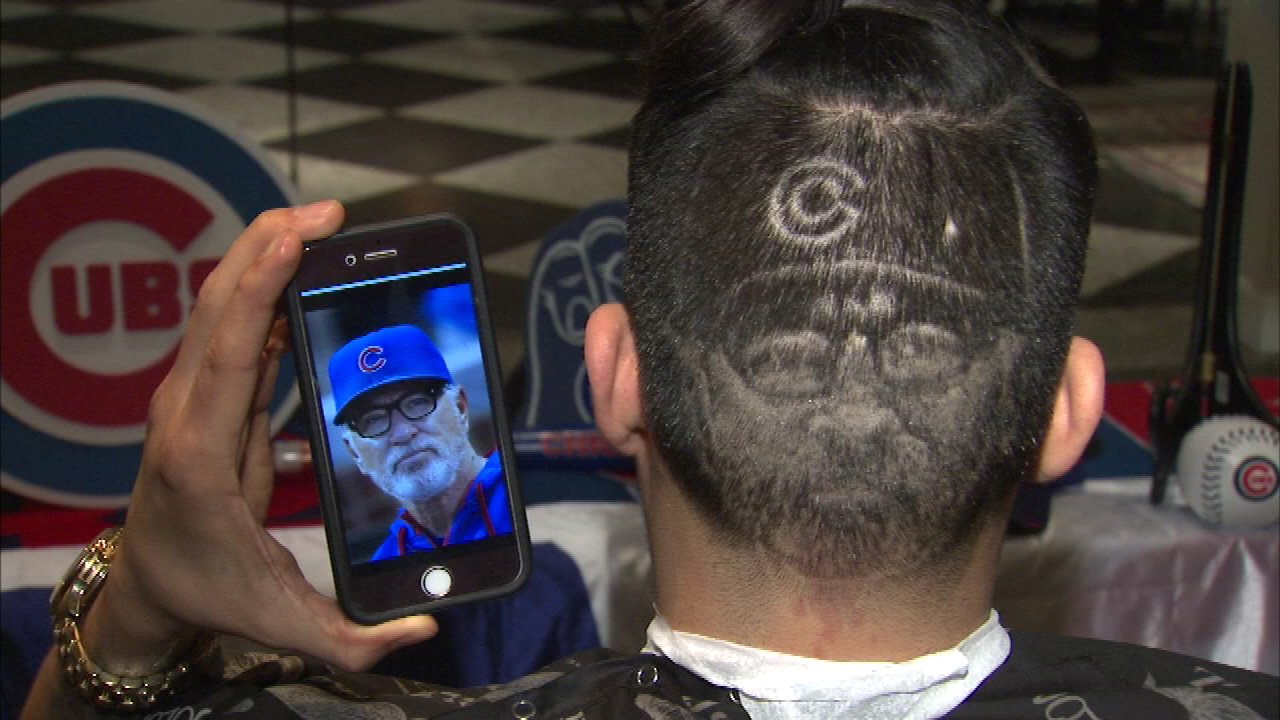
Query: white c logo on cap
[(371, 359)]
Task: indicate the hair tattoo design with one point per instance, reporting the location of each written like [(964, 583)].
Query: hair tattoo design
[(853, 257), (808, 204)]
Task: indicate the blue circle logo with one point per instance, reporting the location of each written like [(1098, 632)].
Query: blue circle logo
[(116, 202)]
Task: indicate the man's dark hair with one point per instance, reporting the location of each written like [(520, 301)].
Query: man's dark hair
[(856, 240)]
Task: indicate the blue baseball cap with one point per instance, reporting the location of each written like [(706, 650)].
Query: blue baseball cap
[(383, 357)]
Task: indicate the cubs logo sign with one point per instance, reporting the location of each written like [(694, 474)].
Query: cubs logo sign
[(116, 203)]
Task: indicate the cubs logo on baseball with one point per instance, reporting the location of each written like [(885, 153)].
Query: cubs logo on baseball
[(1256, 479), (117, 202), (1227, 470)]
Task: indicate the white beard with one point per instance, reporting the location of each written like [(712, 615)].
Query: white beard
[(424, 477)]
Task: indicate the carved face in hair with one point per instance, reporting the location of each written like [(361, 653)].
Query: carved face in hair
[(860, 371), (869, 343), (857, 411)]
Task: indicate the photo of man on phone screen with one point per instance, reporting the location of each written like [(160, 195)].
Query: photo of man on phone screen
[(406, 424)]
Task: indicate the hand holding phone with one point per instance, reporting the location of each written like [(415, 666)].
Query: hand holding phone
[(399, 378), (195, 554)]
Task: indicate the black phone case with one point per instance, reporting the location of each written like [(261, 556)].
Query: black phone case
[(329, 496)]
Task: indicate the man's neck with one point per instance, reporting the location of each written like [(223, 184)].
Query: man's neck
[(436, 514), (743, 596)]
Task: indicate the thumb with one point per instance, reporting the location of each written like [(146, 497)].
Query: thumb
[(395, 634), (352, 646)]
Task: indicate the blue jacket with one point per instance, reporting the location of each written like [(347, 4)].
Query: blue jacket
[(483, 513)]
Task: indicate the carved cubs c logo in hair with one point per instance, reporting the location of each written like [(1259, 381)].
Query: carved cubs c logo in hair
[(810, 206)]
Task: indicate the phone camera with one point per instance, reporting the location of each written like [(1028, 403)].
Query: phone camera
[(351, 260)]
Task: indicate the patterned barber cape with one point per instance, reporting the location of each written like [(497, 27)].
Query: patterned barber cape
[(1045, 677)]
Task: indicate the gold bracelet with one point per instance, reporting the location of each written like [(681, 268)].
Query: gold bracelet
[(69, 605)]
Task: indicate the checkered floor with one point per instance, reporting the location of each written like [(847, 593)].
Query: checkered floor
[(514, 115)]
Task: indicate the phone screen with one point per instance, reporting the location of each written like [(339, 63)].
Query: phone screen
[(400, 381)]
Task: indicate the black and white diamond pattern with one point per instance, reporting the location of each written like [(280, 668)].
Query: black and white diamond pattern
[(514, 115)]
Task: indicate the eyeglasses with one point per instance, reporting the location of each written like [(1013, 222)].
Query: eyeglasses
[(376, 421)]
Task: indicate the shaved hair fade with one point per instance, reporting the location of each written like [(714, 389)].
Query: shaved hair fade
[(856, 238)]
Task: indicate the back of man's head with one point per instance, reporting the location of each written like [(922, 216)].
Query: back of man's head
[(856, 240)]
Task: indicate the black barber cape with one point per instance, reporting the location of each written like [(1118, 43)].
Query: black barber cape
[(1045, 677)]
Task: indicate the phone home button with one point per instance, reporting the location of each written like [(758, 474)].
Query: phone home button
[(437, 581)]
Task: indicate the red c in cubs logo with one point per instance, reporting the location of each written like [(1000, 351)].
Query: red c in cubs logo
[(371, 359), (1256, 479)]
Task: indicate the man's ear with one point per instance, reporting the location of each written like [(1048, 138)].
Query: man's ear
[(351, 448), (614, 373), (1076, 411), (463, 402)]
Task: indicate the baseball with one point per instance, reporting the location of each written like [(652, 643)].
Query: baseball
[(1227, 467)]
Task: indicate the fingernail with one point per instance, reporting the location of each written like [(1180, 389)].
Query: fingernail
[(314, 211)]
